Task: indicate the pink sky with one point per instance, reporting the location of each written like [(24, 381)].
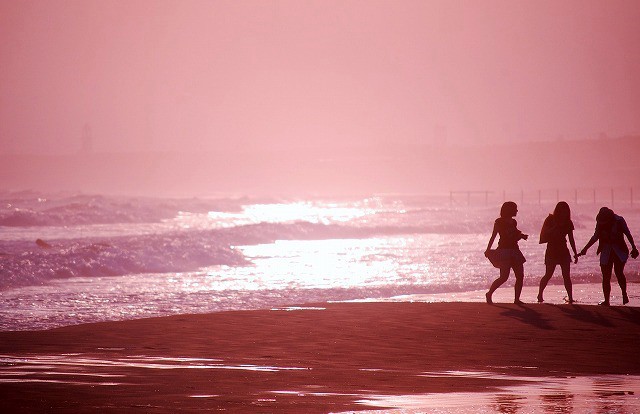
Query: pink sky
[(220, 75)]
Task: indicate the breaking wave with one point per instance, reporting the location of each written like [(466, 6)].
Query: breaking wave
[(24, 263), (28, 210)]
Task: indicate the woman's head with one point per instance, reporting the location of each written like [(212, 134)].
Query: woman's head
[(508, 209), (562, 211), (605, 215)]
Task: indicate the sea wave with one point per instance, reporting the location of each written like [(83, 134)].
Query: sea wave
[(29, 210), (24, 263)]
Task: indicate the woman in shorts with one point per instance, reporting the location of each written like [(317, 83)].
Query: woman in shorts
[(556, 229)]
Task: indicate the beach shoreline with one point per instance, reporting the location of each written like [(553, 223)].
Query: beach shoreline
[(326, 357)]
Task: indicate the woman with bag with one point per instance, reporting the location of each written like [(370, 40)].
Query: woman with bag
[(555, 230), (508, 255)]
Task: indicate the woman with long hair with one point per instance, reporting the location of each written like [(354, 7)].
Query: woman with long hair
[(613, 251), (508, 255), (555, 230)]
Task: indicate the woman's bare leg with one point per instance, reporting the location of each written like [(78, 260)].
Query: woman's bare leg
[(618, 268), (504, 275), (518, 270), (606, 281), (566, 275), (545, 279)]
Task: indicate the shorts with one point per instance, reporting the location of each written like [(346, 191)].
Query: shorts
[(557, 257)]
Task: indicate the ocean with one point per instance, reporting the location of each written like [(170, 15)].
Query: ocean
[(76, 258)]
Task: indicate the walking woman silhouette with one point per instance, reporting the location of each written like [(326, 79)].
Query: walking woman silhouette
[(508, 255), (555, 230), (613, 251)]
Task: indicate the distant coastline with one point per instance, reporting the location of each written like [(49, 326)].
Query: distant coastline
[(332, 171)]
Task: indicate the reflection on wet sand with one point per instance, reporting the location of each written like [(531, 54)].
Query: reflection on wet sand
[(509, 403), (611, 396), (558, 401), (525, 394), (558, 395), (67, 368)]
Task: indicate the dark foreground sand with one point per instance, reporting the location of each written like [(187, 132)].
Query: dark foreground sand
[(347, 348)]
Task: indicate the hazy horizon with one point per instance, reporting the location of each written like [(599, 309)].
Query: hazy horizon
[(305, 172), (343, 79)]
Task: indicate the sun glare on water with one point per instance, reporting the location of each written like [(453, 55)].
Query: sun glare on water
[(305, 211), (287, 213), (334, 263)]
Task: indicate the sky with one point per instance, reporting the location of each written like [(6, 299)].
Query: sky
[(233, 76)]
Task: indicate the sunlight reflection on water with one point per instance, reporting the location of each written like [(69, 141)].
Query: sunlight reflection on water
[(561, 395), (65, 368), (378, 261), (446, 260), (529, 394)]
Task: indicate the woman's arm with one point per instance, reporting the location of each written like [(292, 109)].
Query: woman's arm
[(572, 242), (519, 235), (493, 237), (592, 240), (627, 232)]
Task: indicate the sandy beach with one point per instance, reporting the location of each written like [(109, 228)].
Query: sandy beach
[(315, 359)]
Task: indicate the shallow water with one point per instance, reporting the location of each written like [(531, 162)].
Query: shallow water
[(562, 395), (529, 394), (66, 368), (264, 256)]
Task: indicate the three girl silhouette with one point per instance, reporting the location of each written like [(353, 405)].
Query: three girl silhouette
[(557, 227)]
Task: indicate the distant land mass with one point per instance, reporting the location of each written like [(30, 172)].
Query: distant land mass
[(610, 162)]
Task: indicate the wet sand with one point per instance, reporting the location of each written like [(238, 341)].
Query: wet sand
[(314, 359)]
